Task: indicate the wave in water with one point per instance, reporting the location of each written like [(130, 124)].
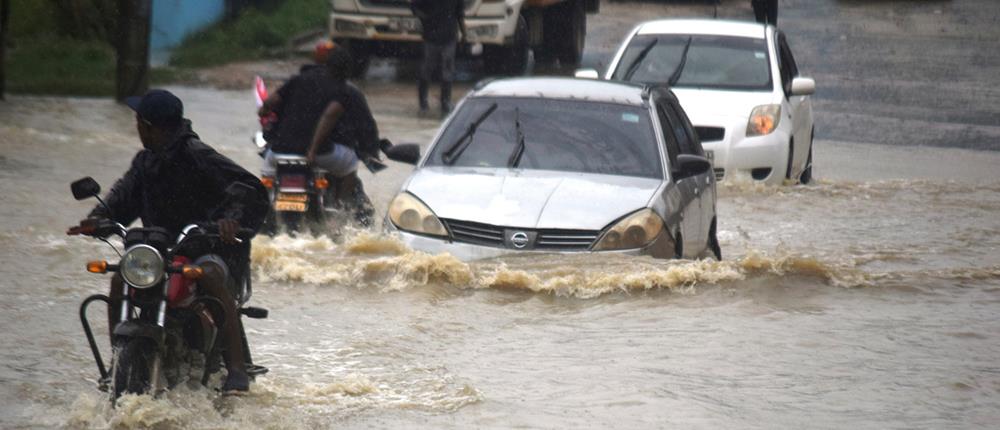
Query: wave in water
[(377, 261)]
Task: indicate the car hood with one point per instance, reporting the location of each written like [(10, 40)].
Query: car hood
[(530, 199), (706, 107)]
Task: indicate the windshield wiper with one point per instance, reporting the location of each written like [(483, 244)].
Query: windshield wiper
[(515, 158), (455, 150), (632, 67), (676, 76)]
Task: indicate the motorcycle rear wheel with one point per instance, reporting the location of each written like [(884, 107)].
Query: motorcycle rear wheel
[(132, 368)]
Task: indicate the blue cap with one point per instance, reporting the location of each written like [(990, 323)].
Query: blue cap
[(161, 108)]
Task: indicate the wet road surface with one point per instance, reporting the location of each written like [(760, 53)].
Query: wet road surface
[(868, 300)]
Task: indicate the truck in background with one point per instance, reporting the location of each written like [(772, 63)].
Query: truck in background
[(507, 30)]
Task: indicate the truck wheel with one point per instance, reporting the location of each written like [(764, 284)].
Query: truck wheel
[(361, 55), (566, 31), (509, 60)]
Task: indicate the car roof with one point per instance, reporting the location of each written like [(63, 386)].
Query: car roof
[(565, 89), (704, 26)]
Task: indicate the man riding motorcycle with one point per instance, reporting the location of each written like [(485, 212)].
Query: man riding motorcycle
[(325, 118), (177, 180)]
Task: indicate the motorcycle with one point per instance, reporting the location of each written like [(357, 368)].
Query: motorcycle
[(303, 197), (165, 330)]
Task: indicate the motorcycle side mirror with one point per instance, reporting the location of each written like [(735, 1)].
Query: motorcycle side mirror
[(85, 188), (408, 153)]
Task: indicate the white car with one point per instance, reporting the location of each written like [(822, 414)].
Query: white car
[(559, 165), (740, 86)]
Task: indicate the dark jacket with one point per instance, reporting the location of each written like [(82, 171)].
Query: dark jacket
[(183, 184), (439, 19), (305, 97)]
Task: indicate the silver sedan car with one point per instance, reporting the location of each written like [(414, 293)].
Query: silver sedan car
[(561, 165)]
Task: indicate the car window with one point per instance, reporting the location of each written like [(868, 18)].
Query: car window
[(786, 61), (724, 62), (561, 135), (668, 134), (684, 140), (697, 149)]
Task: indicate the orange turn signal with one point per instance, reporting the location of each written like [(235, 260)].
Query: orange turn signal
[(100, 266), (322, 183), (190, 271), (268, 181)]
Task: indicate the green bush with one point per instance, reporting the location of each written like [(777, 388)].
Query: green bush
[(56, 65)]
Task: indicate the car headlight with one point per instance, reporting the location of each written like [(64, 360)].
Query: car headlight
[(763, 120), (634, 231), (410, 214), (142, 266)]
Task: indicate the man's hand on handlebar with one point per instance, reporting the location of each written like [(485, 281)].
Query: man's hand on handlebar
[(228, 228), (86, 227)]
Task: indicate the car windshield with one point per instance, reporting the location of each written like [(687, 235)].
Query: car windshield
[(560, 135), (724, 62)]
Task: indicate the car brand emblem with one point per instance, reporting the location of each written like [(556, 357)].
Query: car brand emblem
[(519, 239)]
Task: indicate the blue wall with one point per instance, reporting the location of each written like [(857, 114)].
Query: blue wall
[(173, 20)]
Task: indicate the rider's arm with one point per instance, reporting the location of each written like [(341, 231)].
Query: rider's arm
[(125, 197), (221, 172), (326, 123)]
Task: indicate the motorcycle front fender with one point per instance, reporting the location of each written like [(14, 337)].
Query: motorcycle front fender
[(132, 329)]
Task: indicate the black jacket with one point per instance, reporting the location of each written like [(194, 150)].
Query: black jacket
[(183, 184), (304, 98), (439, 19)]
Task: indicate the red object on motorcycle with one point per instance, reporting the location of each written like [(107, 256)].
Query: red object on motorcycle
[(180, 288), (292, 181)]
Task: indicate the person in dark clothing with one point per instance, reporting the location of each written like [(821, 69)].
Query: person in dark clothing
[(177, 180), (325, 118), (765, 11), (441, 21)]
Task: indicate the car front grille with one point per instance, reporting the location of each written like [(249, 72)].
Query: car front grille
[(578, 240), (475, 233), (543, 239), (710, 134)]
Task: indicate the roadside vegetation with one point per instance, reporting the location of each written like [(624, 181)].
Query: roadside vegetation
[(254, 34), (47, 56), (65, 47)]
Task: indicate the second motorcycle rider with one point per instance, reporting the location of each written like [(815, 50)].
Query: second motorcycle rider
[(327, 119)]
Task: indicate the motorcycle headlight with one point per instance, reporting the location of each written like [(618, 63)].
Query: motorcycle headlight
[(634, 231), (410, 214), (763, 120), (141, 266)]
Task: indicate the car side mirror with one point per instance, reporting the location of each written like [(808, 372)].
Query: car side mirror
[(587, 74), (85, 188), (803, 86), (408, 153), (690, 165)]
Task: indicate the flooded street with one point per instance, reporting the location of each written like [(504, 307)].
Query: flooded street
[(869, 299)]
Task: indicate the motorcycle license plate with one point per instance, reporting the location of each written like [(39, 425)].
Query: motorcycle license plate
[(284, 206)]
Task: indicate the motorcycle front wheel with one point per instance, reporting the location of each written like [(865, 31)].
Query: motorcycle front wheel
[(132, 368)]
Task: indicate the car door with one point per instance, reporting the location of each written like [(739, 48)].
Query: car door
[(688, 210), (688, 143), (798, 106), (706, 181)]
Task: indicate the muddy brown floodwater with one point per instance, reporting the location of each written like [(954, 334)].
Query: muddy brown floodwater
[(870, 299)]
